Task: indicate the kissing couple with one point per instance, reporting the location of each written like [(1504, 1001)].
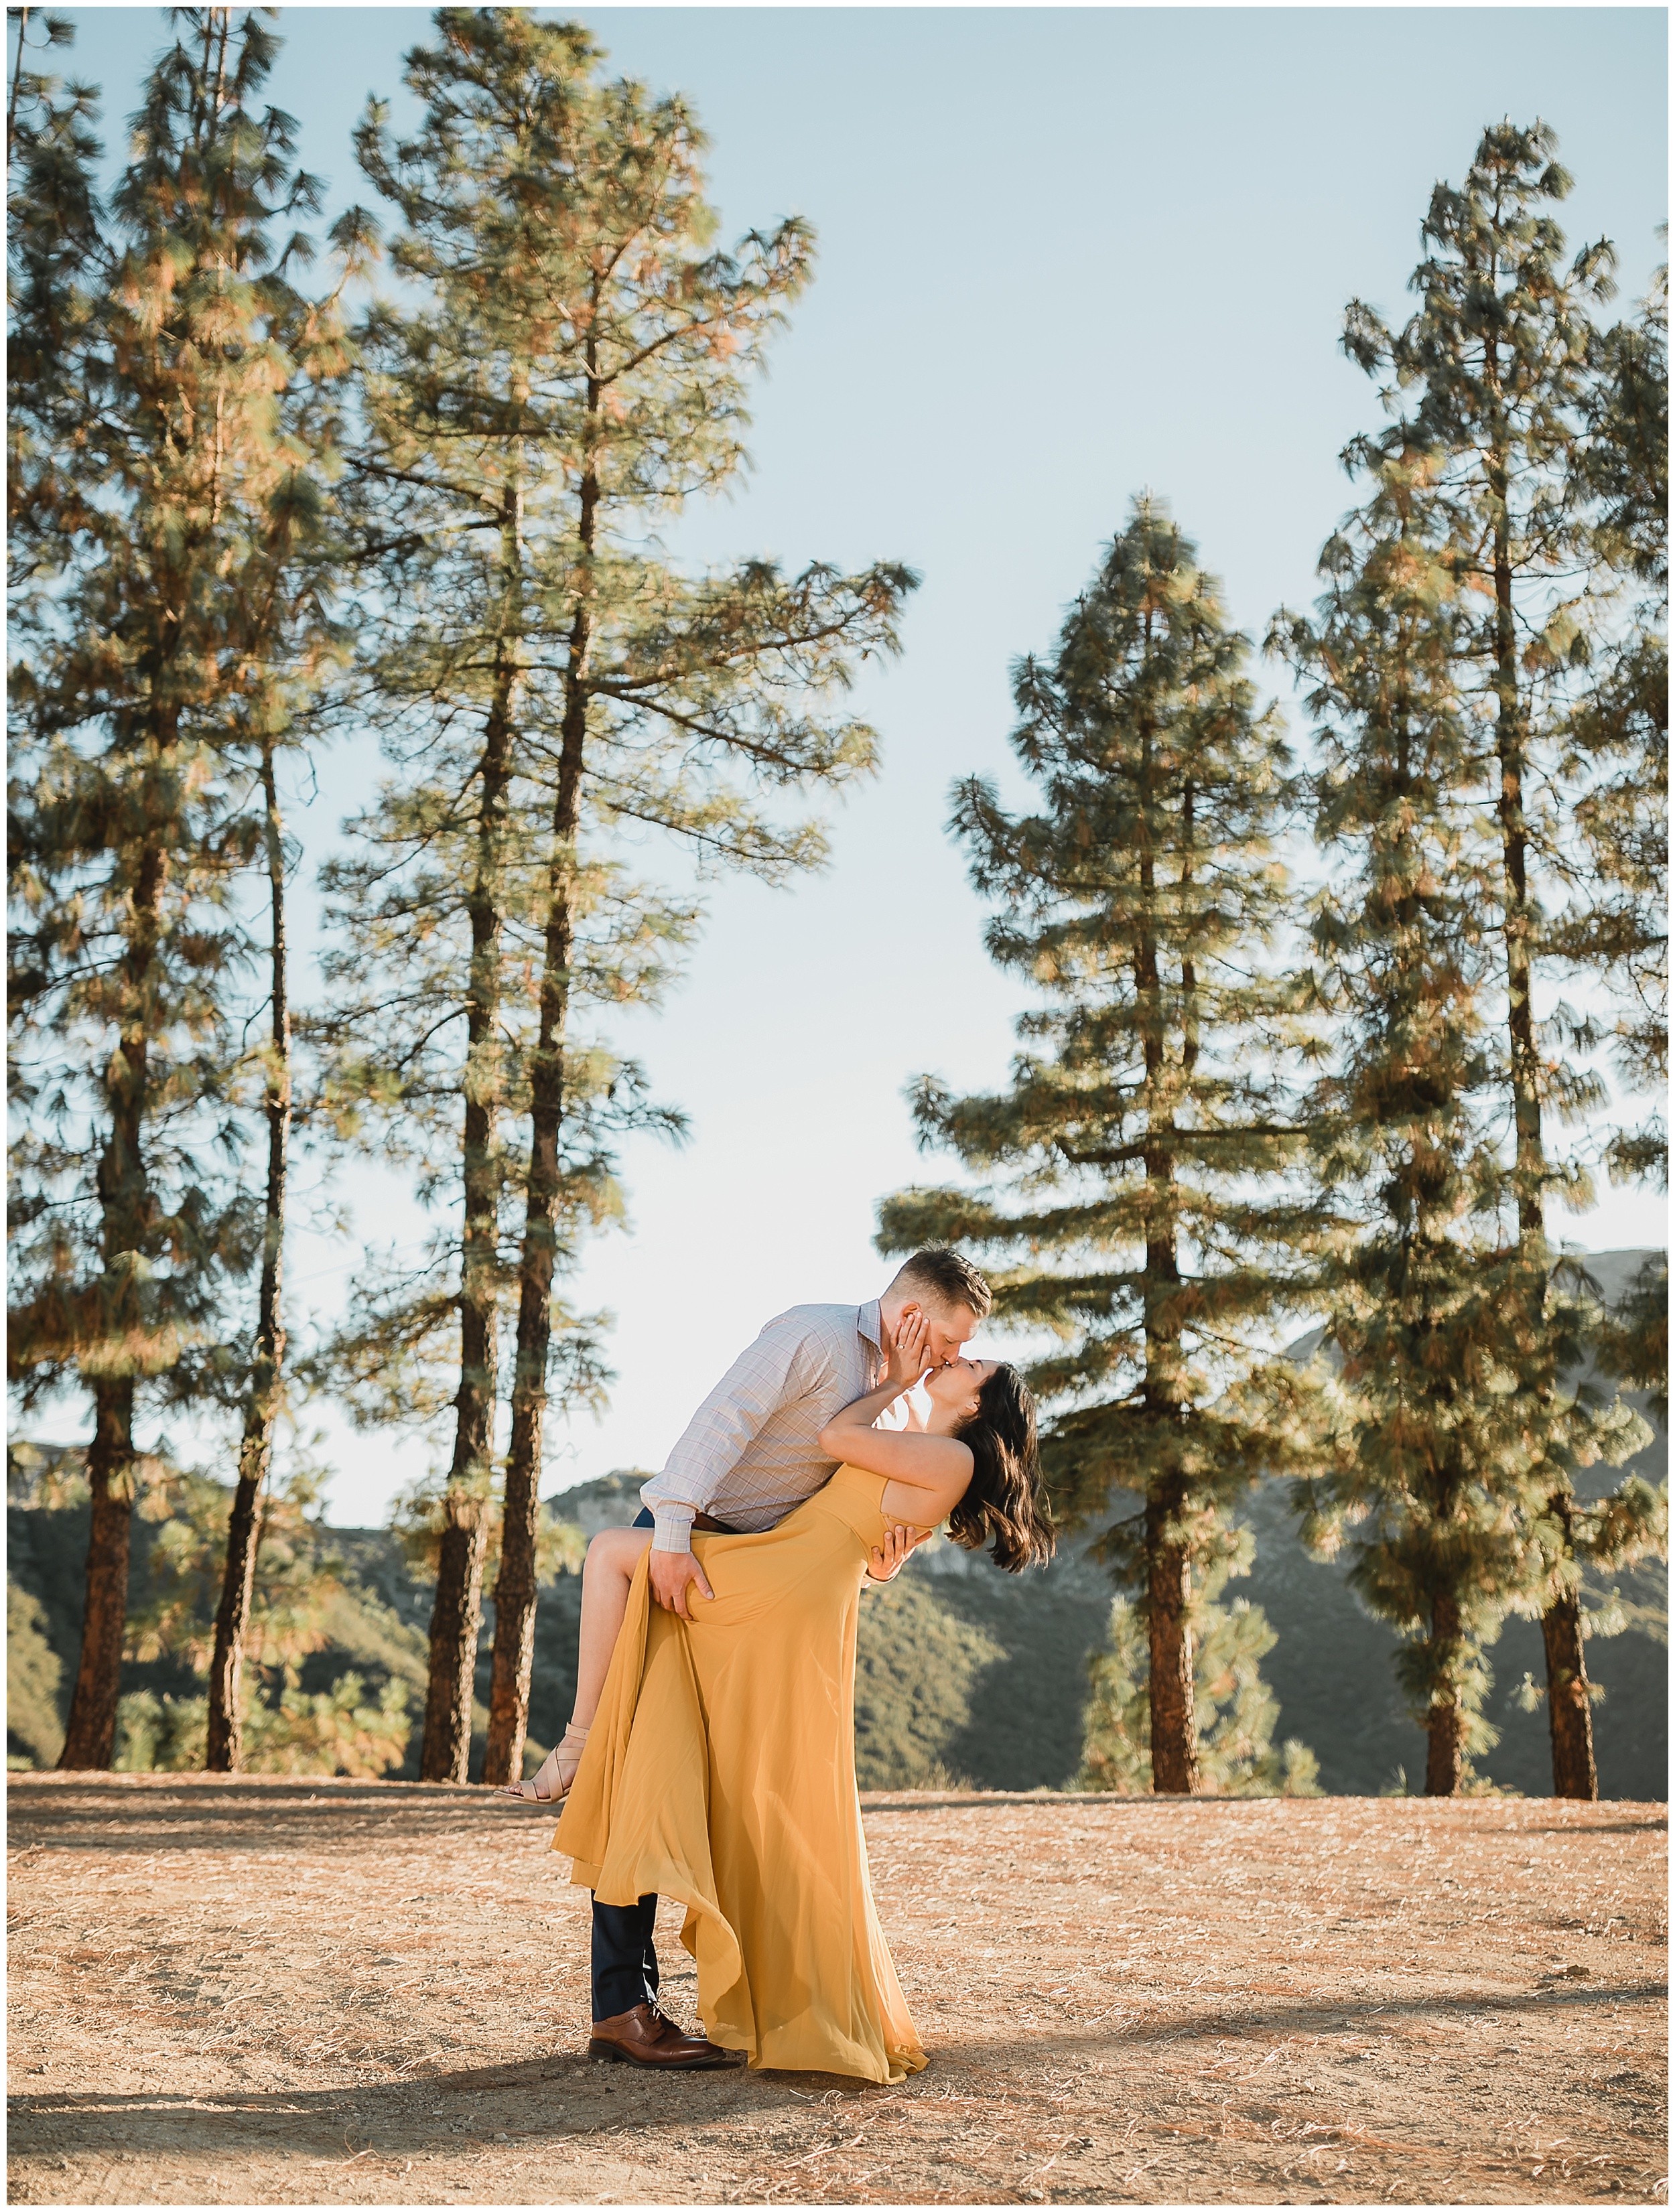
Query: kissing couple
[(711, 1754)]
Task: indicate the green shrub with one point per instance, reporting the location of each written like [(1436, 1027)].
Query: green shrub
[(337, 1731), (34, 1677)]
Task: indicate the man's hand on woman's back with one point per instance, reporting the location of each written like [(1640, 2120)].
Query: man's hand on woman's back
[(891, 1556)]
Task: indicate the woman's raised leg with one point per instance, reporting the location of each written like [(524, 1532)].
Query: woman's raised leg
[(605, 1574)]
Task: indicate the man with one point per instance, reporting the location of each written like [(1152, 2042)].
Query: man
[(748, 1456)]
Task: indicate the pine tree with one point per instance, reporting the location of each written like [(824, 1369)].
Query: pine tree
[(296, 1588), (1147, 1134), (1442, 1474), (1621, 731), (1632, 1340), (157, 406), (292, 641), (576, 371), (1492, 368), (1492, 378), (264, 1395)]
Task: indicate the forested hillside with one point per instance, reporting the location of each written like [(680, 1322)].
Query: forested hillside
[(963, 1673)]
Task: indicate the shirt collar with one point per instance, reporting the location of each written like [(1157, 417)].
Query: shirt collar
[(869, 1323)]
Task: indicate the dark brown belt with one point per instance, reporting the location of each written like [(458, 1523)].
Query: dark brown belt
[(707, 1525)]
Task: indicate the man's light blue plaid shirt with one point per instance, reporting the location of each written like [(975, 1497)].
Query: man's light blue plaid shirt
[(752, 1451)]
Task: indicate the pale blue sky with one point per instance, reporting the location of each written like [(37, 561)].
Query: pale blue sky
[(1064, 254)]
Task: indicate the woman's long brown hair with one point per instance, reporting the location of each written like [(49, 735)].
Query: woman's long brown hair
[(1004, 1499)]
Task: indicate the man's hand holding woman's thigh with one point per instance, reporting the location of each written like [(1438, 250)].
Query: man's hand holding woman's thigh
[(676, 1579)]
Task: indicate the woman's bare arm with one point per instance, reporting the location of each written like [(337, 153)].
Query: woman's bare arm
[(920, 1462)]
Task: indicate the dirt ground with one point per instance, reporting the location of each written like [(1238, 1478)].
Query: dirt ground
[(332, 1992)]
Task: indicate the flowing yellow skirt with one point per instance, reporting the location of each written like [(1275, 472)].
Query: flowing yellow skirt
[(721, 1771)]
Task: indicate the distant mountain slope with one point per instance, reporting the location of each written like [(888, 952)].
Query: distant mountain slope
[(376, 1625), (962, 1671)]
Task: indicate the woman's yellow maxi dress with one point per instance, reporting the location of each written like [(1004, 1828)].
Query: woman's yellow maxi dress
[(721, 1771)]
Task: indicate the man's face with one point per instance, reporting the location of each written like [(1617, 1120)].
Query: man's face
[(949, 1327)]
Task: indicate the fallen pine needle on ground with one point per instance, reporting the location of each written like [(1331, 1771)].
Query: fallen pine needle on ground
[(291, 1990)]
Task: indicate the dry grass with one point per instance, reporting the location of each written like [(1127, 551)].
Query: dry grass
[(285, 1992)]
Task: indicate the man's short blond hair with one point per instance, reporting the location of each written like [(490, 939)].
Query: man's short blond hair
[(943, 1278)]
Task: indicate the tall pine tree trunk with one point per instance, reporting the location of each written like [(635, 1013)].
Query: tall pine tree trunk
[(1570, 1708), (515, 1591), (1174, 1727), (224, 1748), (1174, 1715), (456, 1615), (23, 16), (1444, 1721), (457, 1612), (455, 1620), (90, 1732), (1168, 1598), (124, 1203), (1570, 1712), (1523, 1057), (1174, 1720)]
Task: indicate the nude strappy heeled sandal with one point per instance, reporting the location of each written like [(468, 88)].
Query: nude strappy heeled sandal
[(548, 1785)]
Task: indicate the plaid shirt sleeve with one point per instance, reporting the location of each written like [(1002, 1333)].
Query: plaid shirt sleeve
[(782, 1364)]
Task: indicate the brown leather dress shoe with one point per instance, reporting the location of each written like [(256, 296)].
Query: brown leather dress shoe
[(642, 2036)]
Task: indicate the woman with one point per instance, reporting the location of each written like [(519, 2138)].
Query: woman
[(722, 1768)]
